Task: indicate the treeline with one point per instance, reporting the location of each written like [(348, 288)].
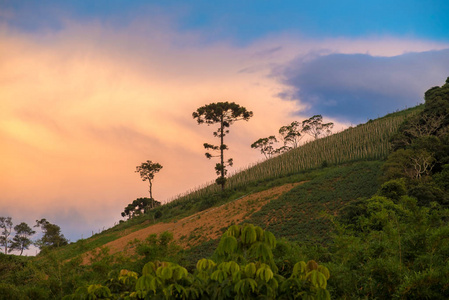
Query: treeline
[(291, 135), (21, 239)]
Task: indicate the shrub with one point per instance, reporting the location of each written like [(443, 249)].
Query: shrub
[(393, 189)]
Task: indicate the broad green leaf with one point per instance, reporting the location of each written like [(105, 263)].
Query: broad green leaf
[(249, 235), (179, 273), (149, 269), (205, 264), (322, 294), (299, 269), (311, 265), (264, 273), (164, 272), (270, 239), (324, 271), (144, 282), (317, 279), (227, 245), (234, 231), (250, 270)]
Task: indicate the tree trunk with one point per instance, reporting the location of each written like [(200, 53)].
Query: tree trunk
[(222, 155), (151, 189)]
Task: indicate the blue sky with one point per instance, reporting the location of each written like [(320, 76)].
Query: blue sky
[(90, 89), (244, 21)]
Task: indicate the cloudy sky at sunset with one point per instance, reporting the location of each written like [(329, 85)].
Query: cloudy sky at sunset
[(90, 89)]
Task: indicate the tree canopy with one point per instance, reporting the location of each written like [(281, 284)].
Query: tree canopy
[(291, 135), (139, 206), (52, 238), (315, 127), (21, 240), (265, 145)]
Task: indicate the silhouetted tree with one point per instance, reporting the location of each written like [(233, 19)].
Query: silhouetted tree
[(52, 235), (147, 171), (139, 206), (314, 127), (6, 225), (224, 114), (21, 240), (291, 135), (265, 145)]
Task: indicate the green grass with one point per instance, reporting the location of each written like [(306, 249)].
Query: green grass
[(298, 214)]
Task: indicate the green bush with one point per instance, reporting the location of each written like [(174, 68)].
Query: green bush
[(9, 291), (393, 189), (399, 251), (37, 293)]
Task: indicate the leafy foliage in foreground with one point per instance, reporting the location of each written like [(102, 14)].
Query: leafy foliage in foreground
[(243, 268)]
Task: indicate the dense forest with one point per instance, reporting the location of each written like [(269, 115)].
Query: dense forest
[(369, 220)]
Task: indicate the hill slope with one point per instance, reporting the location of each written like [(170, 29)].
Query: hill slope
[(295, 215), (202, 226)]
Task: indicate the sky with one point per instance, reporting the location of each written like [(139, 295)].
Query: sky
[(91, 89)]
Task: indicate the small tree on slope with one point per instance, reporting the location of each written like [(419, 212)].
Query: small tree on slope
[(147, 171)]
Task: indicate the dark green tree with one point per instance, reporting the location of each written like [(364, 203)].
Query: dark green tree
[(437, 103), (432, 121), (139, 206), (265, 145), (147, 171), (128, 211), (6, 225), (21, 240), (224, 114), (391, 249), (315, 127), (52, 235)]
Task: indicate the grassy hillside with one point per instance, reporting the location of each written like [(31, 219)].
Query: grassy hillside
[(300, 214), (365, 142)]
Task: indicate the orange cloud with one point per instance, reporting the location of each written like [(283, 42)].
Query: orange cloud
[(81, 110)]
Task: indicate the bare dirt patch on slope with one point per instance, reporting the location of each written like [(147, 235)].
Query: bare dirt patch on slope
[(205, 225)]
